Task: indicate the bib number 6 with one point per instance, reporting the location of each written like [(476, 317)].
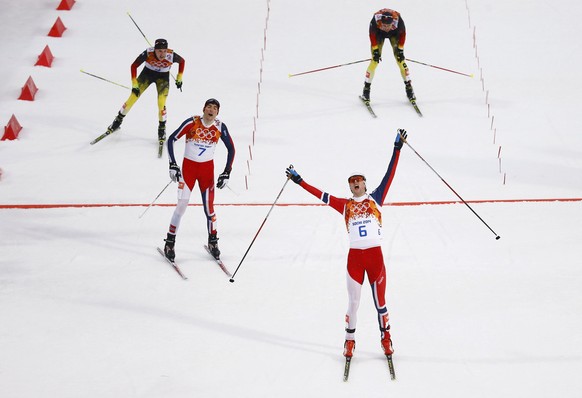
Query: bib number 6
[(362, 230)]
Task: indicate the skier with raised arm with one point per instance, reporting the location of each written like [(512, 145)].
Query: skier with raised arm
[(363, 217)]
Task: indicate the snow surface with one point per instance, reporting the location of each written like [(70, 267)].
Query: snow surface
[(89, 309)]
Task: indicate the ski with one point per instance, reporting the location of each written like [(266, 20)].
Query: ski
[(219, 262), (391, 367), (105, 134), (347, 368), (160, 148), (416, 108), (172, 263), (368, 106)]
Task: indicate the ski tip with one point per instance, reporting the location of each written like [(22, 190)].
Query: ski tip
[(391, 367), (416, 108), (368, 106)]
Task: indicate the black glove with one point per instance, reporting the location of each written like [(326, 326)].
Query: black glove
[(135, 90), (292, 174), (376, 55), (179, 84), (400, 55), (223, 179), (400, 138), (175, 173)]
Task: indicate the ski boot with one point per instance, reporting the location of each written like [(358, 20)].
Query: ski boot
[(409, 91), (349, 347), (366, 93), (162, 132), (116, 123), (387, 343), (161, 138), (213, 246), (169, 248)]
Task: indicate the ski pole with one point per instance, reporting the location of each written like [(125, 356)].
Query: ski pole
[(329, 67), (438, 67), (232, 190), (146, 39), (451, 188), (102, 78), (156, 198), (138, 28), (261, 227)]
